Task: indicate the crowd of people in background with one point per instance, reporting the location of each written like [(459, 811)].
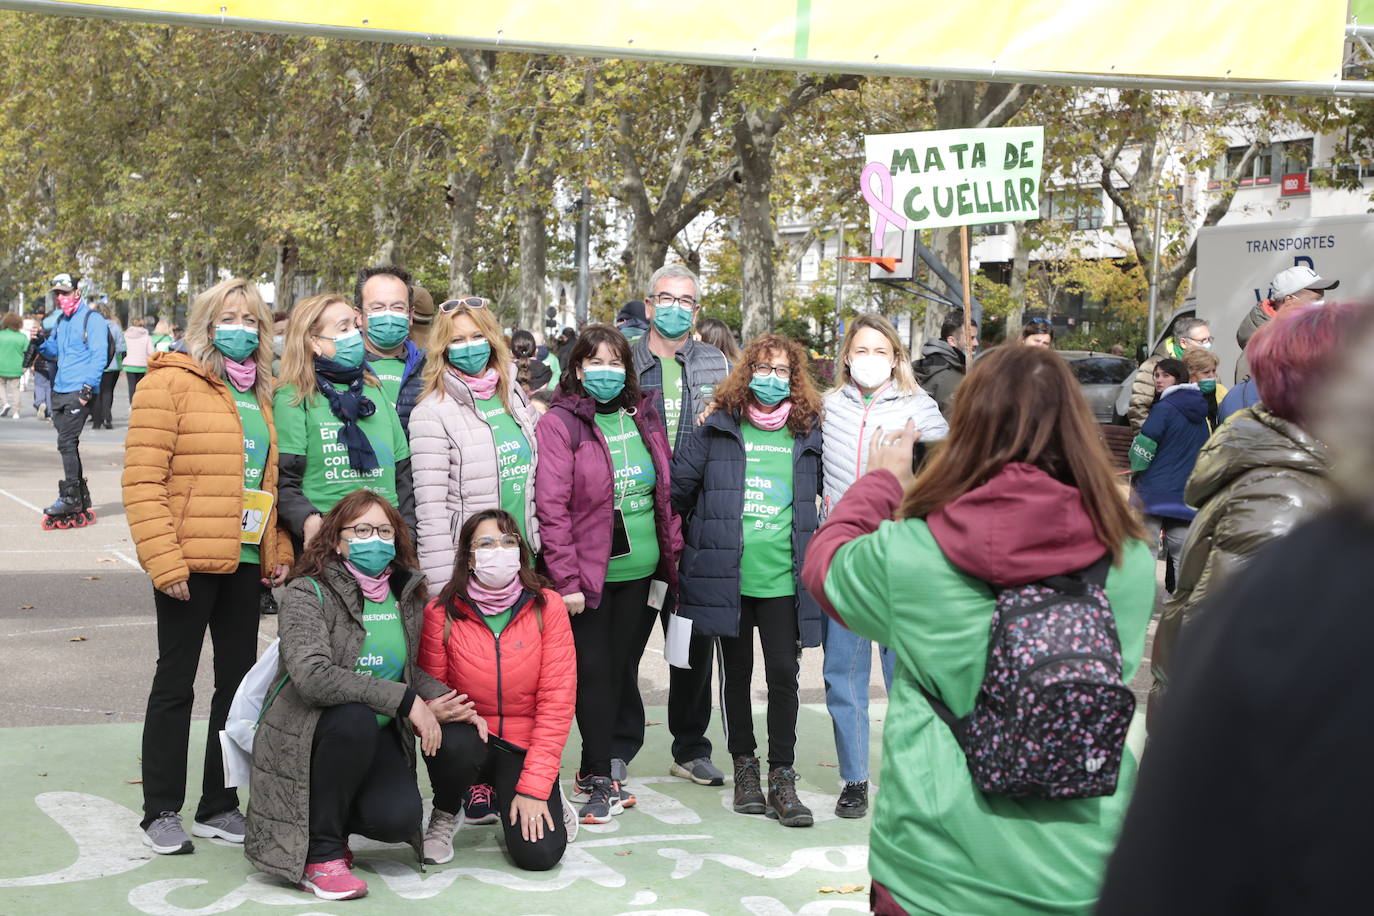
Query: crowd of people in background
[(473, 533)]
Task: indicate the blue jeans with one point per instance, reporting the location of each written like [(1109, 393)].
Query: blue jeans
[(42, 391), (848, 661)]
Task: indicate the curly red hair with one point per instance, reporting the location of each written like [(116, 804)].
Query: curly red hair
[(734, 395)]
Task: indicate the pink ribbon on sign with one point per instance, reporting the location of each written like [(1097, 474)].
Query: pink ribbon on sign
[(882, 205)]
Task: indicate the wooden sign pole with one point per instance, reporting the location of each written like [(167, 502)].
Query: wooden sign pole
[(968, 304)]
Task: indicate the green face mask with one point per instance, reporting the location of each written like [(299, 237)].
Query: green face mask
[(371, 555), (604, 382), (769, 389), (348, 349), (1207, 386), (672, 321), (388, 329), (235, 341), (470, 358)]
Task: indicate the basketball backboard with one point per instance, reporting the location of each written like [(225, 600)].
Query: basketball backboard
[(897, 244)]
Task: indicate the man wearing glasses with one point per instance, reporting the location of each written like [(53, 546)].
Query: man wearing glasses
[(1188, 333), (684, 373), (384, 297)]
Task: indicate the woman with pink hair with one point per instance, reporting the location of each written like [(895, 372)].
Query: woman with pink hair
[(1261, 474)]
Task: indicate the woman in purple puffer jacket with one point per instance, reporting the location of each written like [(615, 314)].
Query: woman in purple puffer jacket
[(601, 494)]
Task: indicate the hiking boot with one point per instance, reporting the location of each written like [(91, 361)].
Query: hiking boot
[(853, 800), (700, 771), (748, 792), (332, 880), (166, 836), (266, 603), (602, 804), (227, 825), (783, 804), (439, 837), (479, 808)]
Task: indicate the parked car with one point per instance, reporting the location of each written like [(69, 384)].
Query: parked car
[(1100, 375)]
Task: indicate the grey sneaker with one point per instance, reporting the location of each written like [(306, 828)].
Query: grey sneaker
[(228, 825), (166, 836), (602, 804), (700, 771), (620, 771), (439, 837)]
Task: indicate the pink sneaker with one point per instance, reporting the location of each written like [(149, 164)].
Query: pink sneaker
[(332, 881)]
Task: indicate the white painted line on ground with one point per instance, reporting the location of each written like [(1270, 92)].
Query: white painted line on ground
[(23, 502), (125, 558), (93, 626)]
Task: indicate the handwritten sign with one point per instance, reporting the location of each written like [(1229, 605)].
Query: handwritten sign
[(930, 179)]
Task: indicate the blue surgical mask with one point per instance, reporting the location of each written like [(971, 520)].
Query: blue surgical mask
[(236, 341), (672, 321), (470, 358), (388, 329), (769, 389), (348, 348), (604, 382), (371, 555)]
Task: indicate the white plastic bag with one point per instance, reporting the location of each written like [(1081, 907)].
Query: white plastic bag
[(236, 740)]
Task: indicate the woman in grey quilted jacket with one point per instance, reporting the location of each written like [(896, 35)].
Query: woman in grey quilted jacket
[(874, 390)]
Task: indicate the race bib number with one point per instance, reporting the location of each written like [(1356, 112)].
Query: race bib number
[(257, 509)]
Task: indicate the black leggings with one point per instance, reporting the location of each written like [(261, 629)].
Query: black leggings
[(610, 640), (226, 605), (776, 621), (132, 379), (360, 782), (689, 705), (103, 413), (465, 760)]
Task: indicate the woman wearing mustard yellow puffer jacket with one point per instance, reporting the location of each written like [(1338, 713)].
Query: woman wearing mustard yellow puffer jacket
[(200, 486)]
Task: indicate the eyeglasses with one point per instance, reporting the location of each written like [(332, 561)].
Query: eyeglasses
[(1201, 340), (364, 530), (782, 372), (470, 302), (488, 542), (379, 308), (668, 299)]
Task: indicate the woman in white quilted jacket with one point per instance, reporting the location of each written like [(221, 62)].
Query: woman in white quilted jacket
[(874, 389)]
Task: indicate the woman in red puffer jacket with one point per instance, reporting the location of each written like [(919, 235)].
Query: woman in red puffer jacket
[(497, 636)]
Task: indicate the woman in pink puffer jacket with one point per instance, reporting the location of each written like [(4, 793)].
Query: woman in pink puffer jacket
[(472, 444)]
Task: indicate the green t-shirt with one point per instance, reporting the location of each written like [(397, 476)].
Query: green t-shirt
[(162, 343), (256, 440), (897, 588), (389, 372), (310, 429), (556, 367), (497, 622), (634, 495), (672, 397), (514, 455), (765, 567), (383, 653)]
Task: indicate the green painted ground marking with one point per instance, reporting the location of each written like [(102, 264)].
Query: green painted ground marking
[(71, 844)]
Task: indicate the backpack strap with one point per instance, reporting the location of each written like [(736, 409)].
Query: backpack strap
[(286, 677), (947, 716), (1076, 583), (448, 623)]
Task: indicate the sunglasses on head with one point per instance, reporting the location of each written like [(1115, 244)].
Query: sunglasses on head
[(1044, 321), (471, 302)]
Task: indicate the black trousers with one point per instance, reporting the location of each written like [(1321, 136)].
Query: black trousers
[(689, 706), (776, 622), (69, 418), (360, 782), (228, 606), (132, 379), (610, 641), (465, 760), (104, 408)]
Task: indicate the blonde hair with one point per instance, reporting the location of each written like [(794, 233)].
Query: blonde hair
[(163, 327), (297, 354), (436, 351), (200, 330), (902, 375), (1199, 360)]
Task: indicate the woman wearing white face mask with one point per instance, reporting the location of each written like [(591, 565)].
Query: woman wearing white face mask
[(498, 636), (337, 431), (874, 390)]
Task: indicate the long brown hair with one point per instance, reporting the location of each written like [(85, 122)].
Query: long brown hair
[(297, 354), (590, 340), (324, 549), (457, 586), (1022, 404), (734, 396)]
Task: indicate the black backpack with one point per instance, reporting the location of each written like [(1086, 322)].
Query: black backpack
[(1052, 712)]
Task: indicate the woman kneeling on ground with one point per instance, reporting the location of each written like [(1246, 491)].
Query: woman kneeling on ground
[(352, 699), (1021, 491), (497, 635)]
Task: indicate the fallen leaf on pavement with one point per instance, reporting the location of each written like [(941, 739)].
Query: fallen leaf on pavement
[(825, 890), (653, 723), (850, 888), (134, 782), (827, 763), (90, 578), (104, 559), (26, 607), (77, 639), (624, 852)]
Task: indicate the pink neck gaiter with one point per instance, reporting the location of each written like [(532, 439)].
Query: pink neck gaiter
[(492, 601), (483, 386), (375, 588), (241, 375), (770, 421)]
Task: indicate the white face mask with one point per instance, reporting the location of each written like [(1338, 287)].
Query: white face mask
[(496, 567), (870, 370)]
